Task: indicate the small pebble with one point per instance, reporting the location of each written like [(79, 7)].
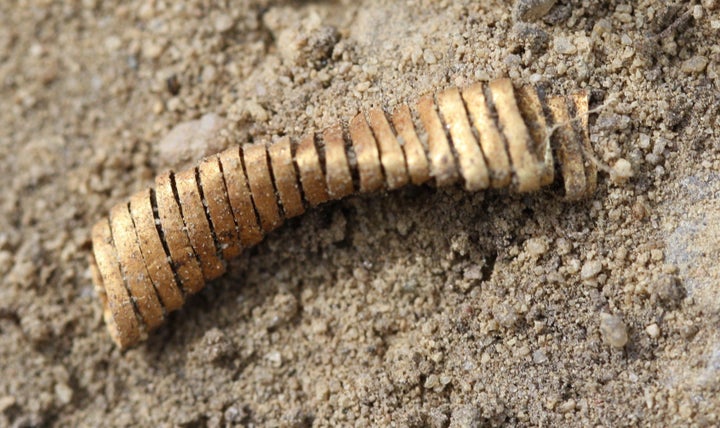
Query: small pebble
[(465, 416), (482, 75), (174, 104), (668, 289), (362, 86), (539, 357), (621, 171), (152, 49), (590, 269), (685, 410), (567, 406), (113, 43), (602, 26), (536, 246), (612, 122), (563, 246), (235, 414), (694, 65), (432, 381), (564, 46), (572, 266), (531, 36), (6, 261), (6, 402), (522, 351), (429, 56), (274, 358), (216, 346), (656, 255), (63, 393), (638, 210), (208, 74), (473, 272), (505, 315), (531, 10), (653, 330), (190, 140), (223, 23), (613, 330)]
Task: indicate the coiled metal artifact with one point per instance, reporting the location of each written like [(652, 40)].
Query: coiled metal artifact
[(168, 241)]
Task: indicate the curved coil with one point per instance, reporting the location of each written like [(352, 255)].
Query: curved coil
[(168, 241)]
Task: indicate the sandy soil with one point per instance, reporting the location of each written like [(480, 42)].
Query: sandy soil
[(422, 307)]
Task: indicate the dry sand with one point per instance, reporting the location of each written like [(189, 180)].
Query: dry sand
[(422, 307)]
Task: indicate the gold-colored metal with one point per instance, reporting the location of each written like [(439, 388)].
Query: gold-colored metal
[(391, 155), (527, 165), (133, 268), (312, 177), (197, 224), (413, 149), (339, 177), (472, 164), (491, 141), (240, 198), (120, 316), (569, 151), (285, 177), (261, 187), (170, 240), (153, 252), (184, 261), (218, 207), (443, 166), (366, 153)]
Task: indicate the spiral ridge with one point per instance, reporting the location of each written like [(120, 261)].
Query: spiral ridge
[(166, 242)]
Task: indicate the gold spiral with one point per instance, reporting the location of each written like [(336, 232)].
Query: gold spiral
[(166, 242)]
